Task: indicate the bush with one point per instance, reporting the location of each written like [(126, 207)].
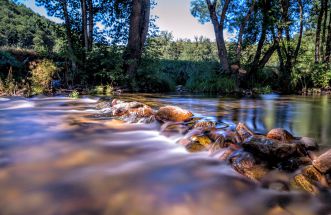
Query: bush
[(41, 76), (74, 94)]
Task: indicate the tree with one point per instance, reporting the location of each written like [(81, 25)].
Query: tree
[(318, 31), (217, 14), (139, 23)]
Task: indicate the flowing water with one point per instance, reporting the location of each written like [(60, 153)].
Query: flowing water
[(62, 156)]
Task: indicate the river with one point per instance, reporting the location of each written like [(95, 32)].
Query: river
[(62, 156)]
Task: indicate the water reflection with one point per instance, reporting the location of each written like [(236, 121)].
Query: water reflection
[(301, 115)]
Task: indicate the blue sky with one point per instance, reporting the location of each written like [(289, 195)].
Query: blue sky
[(174, 16)]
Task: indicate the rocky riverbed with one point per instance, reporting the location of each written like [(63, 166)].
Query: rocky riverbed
[(276, 160)]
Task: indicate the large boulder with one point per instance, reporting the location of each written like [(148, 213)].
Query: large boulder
[(323, 162), (173, 113), (272, 150)]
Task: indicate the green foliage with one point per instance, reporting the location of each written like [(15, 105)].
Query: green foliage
[(321, 76), (42, 75), (102, 90), (208, 80), (21, 27), (74, 94)]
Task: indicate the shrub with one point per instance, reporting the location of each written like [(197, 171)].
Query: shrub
[(41, 76), (74, 94)]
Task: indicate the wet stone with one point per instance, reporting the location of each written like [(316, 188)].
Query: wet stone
[(205, 124), (195, 147), (201, 139), (272, 149), (173, 113), (323, 162), (244, 132), (313, 174), (302, 183), (280, 134), (103, 105)]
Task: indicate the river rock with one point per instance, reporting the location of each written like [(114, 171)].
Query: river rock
[(245, 163), (205, 124), (308, 143), (103, 105), (280, 134), (195, 147), (173, 113), (323, 162), (243, 132), (301, 182), (309, 179), (271, 149)]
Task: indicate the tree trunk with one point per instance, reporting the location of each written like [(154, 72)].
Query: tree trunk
[(91, 24), (69, 35), (255, 64), (327, 57), (218, 29), (84, 23), (139, 22), (318, 33), (325, 8), (241, 32), (297, 49)]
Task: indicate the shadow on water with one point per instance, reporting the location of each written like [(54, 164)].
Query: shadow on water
[(58, 157)]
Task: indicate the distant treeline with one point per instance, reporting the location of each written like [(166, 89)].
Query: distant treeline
[(279, 45)]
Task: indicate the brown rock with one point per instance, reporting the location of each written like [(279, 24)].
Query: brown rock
[(195, 147), (173, 113), (205, 124), (244, 132), (143, 111), (301, 182), (280, 134), (323, 162), (313, 174), (202, 139)]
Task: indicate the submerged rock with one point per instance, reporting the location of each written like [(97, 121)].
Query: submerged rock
[(195, 147), (205, 124), (103, 104), (173, 113), (323, 162)]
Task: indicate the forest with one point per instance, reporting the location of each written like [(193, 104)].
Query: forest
[(103, 45)]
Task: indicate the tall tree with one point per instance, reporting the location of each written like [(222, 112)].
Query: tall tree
[(84, 24), (287, 52), (139, 23), (327, 57), (91, 23), (241, 31), (216, 10), (324, 28), (318, 31)]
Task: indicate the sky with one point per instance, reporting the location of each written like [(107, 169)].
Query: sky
[(174, 16)]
